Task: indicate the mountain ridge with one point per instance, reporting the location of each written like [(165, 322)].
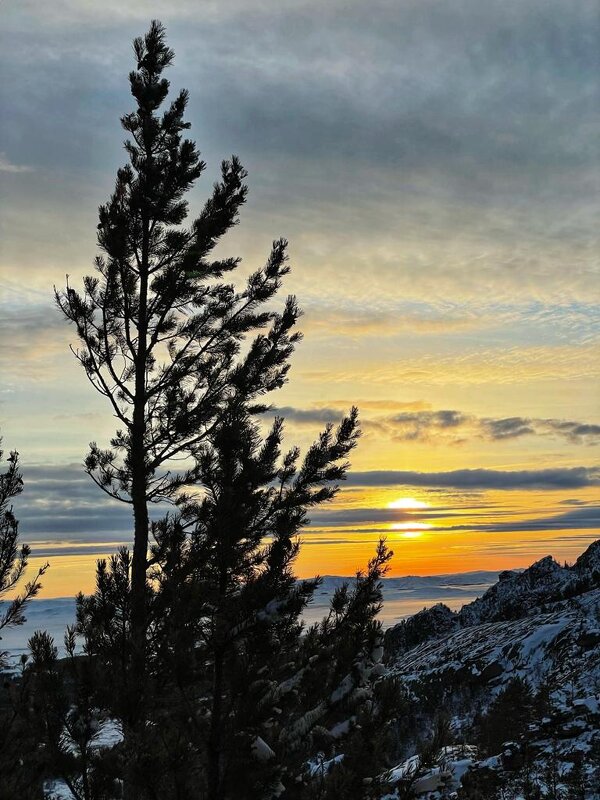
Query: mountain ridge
[(536, 632)]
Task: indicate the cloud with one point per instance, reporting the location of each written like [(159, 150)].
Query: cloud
[(434, 165), (50, 551), (319, 321), (430, 120), (557, 478), (34, 335), (60, 503), (333, 517), (575, 431), (481, 519), (508, 428), (308, 416), (450, 426), (418, 426), (335, 410), (580, 518), (7, 166), (62, 512), (389, 316)]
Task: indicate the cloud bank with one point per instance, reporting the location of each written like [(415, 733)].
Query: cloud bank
[(560, 478), (450, 426)]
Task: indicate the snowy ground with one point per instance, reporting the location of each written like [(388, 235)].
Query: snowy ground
[(402, 597)]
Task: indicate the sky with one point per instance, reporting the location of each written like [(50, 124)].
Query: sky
[(436, 169)]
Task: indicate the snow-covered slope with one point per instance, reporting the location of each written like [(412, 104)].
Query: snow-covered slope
[(540, 647), (517, 594), (541, 625)]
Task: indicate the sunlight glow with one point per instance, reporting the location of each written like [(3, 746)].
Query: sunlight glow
[(410, 530), (407, 503)]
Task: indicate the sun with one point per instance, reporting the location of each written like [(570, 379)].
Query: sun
[(408, 503)]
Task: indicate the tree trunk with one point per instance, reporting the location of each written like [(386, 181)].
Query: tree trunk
[(139, 485)]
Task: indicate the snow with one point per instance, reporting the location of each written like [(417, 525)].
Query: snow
[(261, 749), (541, 637), (452, 763), (320, 766), (48, 615), (57, 790), (554, 642)]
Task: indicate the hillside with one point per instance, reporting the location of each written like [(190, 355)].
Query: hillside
[(536, 632)]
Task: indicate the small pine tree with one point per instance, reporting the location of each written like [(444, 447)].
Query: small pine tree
[(367, 747), (13, 556), (480, 784), (508, 716), (551, 774), (64, 721), (528, 776), (19, 779)]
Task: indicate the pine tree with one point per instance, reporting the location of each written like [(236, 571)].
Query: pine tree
[(195, 637), (159, 333), (59, 711), (13, 556), (576, 779), (243, 697), (18, 779), (551, 774), (508, 716)]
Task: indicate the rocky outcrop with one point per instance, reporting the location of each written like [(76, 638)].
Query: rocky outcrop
[(431, 623), (516, 595)]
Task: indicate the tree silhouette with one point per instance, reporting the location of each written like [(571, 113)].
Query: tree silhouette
[(159, 333), (13, 556), (196, 636), (16, 778)]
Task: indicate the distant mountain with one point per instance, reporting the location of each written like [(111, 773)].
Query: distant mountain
[(466, 579)]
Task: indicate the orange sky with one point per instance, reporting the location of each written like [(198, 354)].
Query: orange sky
[(421, 532)]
